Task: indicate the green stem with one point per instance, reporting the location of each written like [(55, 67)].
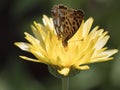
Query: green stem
[(65, 83)]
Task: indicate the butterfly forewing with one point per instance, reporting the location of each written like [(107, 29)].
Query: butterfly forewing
[(66, 21)]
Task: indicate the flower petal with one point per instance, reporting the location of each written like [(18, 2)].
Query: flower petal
[(101, 42), (64, 71), (23, 46), (30, 59), (87, 27), (84, 67)]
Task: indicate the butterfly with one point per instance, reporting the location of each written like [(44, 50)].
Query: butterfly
[(66, 21)]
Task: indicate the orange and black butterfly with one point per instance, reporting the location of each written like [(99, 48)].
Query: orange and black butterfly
[(66, 21)]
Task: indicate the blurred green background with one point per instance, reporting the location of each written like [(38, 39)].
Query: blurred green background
[(16, 16)]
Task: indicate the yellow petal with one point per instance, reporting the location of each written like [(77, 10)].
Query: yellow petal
[(30, 59), (84, 67), (22, 45), (64, 71), (87, 27)]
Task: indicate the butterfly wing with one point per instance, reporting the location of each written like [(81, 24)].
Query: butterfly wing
[(72, 22), (58, 14)]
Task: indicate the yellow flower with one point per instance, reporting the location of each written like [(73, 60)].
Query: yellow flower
[(83, 48)]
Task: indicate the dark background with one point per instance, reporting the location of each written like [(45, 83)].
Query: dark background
[(16, 17)]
